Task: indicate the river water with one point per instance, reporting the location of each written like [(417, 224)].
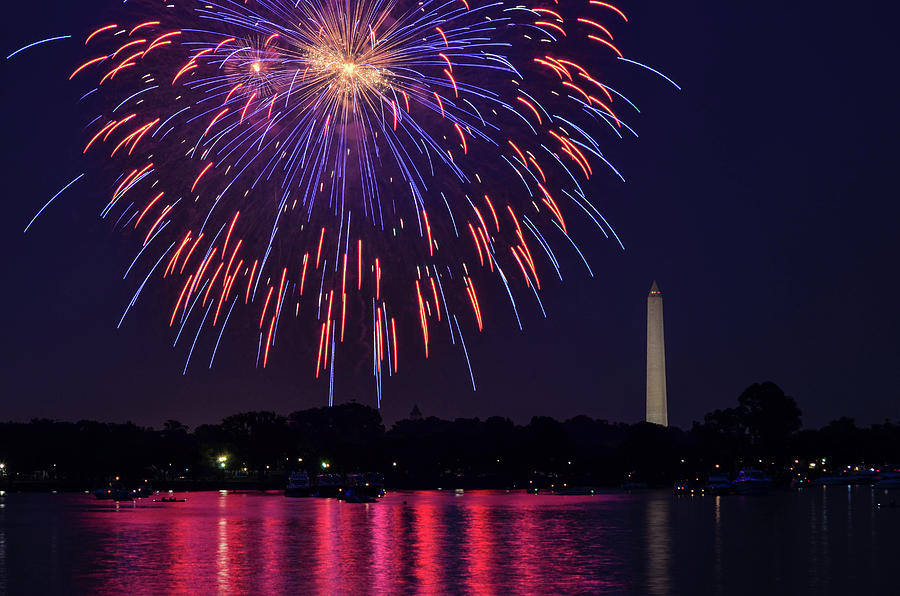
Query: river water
[(830, 540)]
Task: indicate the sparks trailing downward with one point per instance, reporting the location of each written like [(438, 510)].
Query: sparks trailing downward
[(352, 164)]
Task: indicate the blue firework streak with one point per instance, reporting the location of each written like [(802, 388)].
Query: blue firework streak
[(377, 161)]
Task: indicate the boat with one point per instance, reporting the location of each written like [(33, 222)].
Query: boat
[(114, 492), (887, 480), (800, 482), (144, 491), (632, 482), (353, 496), (718, 484), (751, 481), (328, 486), (682, 487), (368, 483), (863, 476), (841, 480), (570, 492), (298, 485)]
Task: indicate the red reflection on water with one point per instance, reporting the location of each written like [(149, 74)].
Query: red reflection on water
[(480, 549), (271, 554), (326, 546), (381, 551), (426, 548), (431, 542), (528, 535)]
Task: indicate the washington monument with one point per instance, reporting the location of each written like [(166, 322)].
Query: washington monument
[(657, 411)]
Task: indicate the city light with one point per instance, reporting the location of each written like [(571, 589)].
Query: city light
[(222, 459), (325, 464)]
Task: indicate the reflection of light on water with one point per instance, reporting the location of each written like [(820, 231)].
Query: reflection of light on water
[(718, 544), (381, 551), (3, 586), (270, 550), (426, 551), (483, 542), (659, 545), (530, 538), (480, 546), (222, 571), (185, 541), (329, 545), (849, 511)]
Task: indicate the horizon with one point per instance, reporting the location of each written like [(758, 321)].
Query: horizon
[(389, 423)]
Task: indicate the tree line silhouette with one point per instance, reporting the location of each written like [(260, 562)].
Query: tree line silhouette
[(259, 448)]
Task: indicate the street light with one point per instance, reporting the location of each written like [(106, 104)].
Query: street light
[(222, 459)]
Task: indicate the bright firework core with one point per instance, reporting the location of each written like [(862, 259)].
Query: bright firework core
[(347, 75)]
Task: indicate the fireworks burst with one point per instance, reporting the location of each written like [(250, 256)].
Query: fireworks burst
[(361, 164)]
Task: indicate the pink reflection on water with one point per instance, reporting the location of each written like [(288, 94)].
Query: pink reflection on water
[(426, 550), (483, 542), (480, 548), (427, 542), (382, 553), (527, 534)]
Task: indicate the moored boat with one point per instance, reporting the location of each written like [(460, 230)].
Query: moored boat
[(832, 481), (575, 492), (351, 495), (368, 483), (298, 485), (752, 481), (114, 492), (887, 480), (144, 491), (718, 484), (328, 486), (682, 487)]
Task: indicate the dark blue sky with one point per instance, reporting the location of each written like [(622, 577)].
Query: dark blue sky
[(763, 198)]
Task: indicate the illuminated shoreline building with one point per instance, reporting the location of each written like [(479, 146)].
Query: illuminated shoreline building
[(657, 409)]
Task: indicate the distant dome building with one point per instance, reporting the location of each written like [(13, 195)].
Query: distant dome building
[(416, 413)]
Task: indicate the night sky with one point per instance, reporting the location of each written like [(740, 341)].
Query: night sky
[(762, 197)]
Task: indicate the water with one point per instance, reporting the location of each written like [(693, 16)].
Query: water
[(830, 540)]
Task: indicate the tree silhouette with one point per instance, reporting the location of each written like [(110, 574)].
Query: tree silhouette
[(769, 416)]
